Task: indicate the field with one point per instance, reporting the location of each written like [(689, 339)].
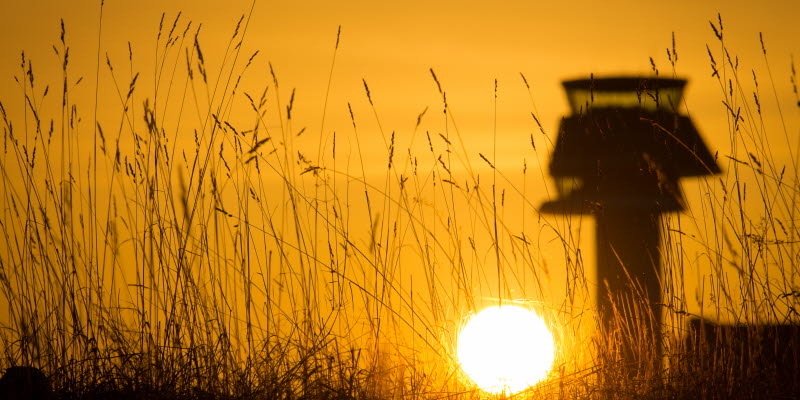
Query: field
[(197, 241)]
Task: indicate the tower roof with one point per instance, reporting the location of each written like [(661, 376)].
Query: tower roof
[(625, 146)]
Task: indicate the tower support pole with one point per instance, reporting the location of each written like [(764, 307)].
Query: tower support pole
[(629, 289)]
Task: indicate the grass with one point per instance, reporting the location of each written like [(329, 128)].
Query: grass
[(203, 244)]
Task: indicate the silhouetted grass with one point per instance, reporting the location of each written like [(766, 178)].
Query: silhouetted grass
[(202, 246)]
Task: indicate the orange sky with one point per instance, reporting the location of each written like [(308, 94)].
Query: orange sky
[(392, 45), (468, 43)]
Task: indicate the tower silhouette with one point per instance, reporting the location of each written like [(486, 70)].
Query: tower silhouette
[(618, 157)]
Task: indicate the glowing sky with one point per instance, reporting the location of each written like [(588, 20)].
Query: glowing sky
[(468, 43), (392, 45)]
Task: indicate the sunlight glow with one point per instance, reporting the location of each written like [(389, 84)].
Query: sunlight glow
[(505, 349)]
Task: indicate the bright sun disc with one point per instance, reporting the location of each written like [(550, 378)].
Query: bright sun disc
[(505, 349)]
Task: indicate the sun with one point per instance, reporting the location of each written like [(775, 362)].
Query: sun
[(505, 349)]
